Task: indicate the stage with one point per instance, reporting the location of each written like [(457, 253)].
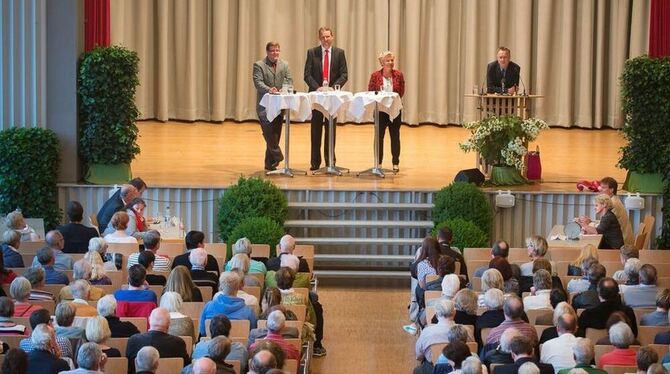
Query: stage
[(178, 154)]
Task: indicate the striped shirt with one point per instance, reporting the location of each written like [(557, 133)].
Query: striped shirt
[(162, 263), (524, 328)]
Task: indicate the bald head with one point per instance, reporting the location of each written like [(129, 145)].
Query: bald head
[(566, 323), (263, 361), (513, 308), (54, 239), (159, 320), (204, 366), (129, 192), (287, 244)]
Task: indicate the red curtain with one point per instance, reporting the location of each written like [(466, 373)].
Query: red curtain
[(659, 28), (96, 24)]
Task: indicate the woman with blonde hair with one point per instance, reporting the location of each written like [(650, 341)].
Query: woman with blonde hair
[(100, 245), (589, 252), (492, 278), (98, 273), (180, 281), (608, 227), (97, 331), (537, 248), (180, 324), (15, 221)]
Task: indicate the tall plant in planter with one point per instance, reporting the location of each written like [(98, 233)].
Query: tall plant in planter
[(28, 172), (646, 107), (108, 77)]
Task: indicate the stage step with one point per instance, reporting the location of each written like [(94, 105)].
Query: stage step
[(360, 241), (361, 274), (350, 257), (361, 206), (359, 223)]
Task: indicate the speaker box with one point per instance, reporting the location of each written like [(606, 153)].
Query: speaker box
[(470, 176)]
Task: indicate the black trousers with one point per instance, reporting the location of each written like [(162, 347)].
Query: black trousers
[(394, 132), (272, 135), (319, 125)]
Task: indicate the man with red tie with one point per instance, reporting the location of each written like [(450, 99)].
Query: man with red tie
[(325, 66)]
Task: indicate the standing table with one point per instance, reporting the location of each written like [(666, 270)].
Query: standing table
[(294, 103), (331, 104), (375, 101)]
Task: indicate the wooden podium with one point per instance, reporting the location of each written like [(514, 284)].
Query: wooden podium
[(500, 105)]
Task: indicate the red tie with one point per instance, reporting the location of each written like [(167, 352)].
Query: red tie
[(326, 67)]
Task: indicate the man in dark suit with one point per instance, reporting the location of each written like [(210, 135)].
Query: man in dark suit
[(195, 239), (522, 352), (157, 337), (589, 298), (610, 302), (444, 237), (75, 234), (502, 75), (325, 65), (121, 198), (269, 75)]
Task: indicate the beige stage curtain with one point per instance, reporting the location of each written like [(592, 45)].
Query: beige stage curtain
[(196, 55)]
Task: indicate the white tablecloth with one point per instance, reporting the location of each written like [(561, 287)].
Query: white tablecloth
[(331, 103), (362, 106), (298, 103)]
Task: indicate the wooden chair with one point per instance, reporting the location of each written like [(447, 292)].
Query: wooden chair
[(49, 305), (436, 350), (116, 277), (189, 344), (476, 264), (300, 310), (660, 349), (476, 283), (193, 309), (611, 369), (118, 343), (639, 312), (562, 267), (237, 366), (262, 323), (612, 267), (217, 249), (117, 365), (13, 340), (432, 277), (649, 222), (646, 334), (253, 290), (534, 313), (430, 313), (596, 334), (640, 237), (172, 365), (663, 282), (259, 276), (485, 333), (470, 254), (290, 366), (304, 250), (518, 255), (30, 248), (662, 271), (25, 321), (260, 251), (171, 249), (238, 328), (27, 259), (563, 255), (654, 256), (608, 255), (139, 322), (540, 329), (124, 248), (431, 295), (206, 292)]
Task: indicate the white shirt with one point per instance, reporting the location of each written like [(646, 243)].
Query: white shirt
[(539, 301), (161, 263), (558, 352), (119, 237)]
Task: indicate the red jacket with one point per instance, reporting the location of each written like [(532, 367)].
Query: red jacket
[(377, 80)]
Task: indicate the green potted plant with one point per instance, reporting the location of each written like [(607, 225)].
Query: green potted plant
[(28, 172), (502, 141), (646, 107), (108, 77), (465, 201), (465, 234)]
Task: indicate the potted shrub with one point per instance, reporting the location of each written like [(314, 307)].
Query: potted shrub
[(465, 234), (463, 200), (259, 230), (502, 141), (28, 172), (108, 77)]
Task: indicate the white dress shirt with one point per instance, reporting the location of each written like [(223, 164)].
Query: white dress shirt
[(558, 352)]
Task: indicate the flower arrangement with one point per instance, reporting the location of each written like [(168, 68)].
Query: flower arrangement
[(502, 140)]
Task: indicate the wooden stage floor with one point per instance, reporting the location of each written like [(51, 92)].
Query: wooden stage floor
[(214, 155)]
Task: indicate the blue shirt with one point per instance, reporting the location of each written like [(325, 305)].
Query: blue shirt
[(135, 295), (232, 307), (12, 258), (53, 276)]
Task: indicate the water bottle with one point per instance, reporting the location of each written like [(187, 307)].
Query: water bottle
[(284, 86), (167, 217)]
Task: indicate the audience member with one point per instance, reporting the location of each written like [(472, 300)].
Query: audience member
[(502, 353), (116, 232), (456, 334), (6, 275), (65, 314), (75, 234), (583, 353), (45, 258), (500, 249), (137, 226), (522, 352), (556, 296), (582, 284), (195, 239), (426, 262), (510, 282), (444, 237), (537, 248), (625, 252), (147, 259), (136, 287), (275, 323), (20, 291), (152, 242), (552, 332), (61, 261), (596, 317), (656, 369), (456, 353), (472, 365), (11, 241), (558, 351), (241, 262), (588, 253), (286, 246), (608, 227), (613, 319), (513, 309), (180, 324), (491, 279), (36, 277), (37, 318), (493, 316), (608, 186), (659, 317), (7, 326), (98, 332), (449, 287), (220, 325), (146, 361), (109, 261), (157, 337), (15, 362), (227, 303), (90, 360), (114, 204), (445, 310), (539, 298), (81, 271), (118, 328), (466, 307), (262, 362), (200, 276), (644, 294), (589, 299), (621, 337), (644, 358), (41, 358), (80, 292), (180, 281), (243, 246), (15, 221)]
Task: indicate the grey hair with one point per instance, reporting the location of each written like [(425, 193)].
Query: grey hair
[(445, 308), (203, 365), (632, 267), (198, 257), (529, 368), (11, 237), (542, 280), (506, 339), (97, 245), (35, 275), (82, 269), (20, 288), (276, 321), (561, 309), (494, 299), (242, 245), (457, 333), (147, 359), (107, 306), (89, 356), (287, 244), (41, 337), (492, 278), (583, 351), (219, 348), (471, 365), (80, 289), (466, 301), (171, 301), (229, 282), (240, 261), (450, 285), (621, 335)]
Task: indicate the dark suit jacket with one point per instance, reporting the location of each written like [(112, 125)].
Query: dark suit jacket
[(596, 318), (182, 259), (457, 256), (121, 329), (662, 338), (43, 362), (488, 319), (314, 70), (167, 345), (274, 263), (76, 237), (205, 278), (494, 77), (514, 368), (587, 299), (111, 206), (611, 230)]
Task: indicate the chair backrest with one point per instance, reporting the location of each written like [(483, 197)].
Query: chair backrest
[(432, 277), (646, 334), (660, 349), (124, 248), (640, 237), (476, 264), (654, 256), (305, 251), (563, 255), (139, 322), (237, 366), (253, 290), (172, 249), (534, 313), (238, 329), (262, 323), (13, 340), (259, 276), (476, 283), (611, 369), (217, 249), (49, 305), (600, 350), (188, 340), (117, 365), (118, 343), (436, 349), (430, 312), (206, 292), (172, 365), (193, 309), (595, 334), (470, 254), (540, 329), (300, 310), (31, 248), (649, 221), (485, 333), (260, 251), (117, 277), (25, 321), (290, 366), (430, 295)]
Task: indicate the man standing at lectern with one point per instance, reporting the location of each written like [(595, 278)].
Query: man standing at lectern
[(502, 75), (325, 66), (269, 75)]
